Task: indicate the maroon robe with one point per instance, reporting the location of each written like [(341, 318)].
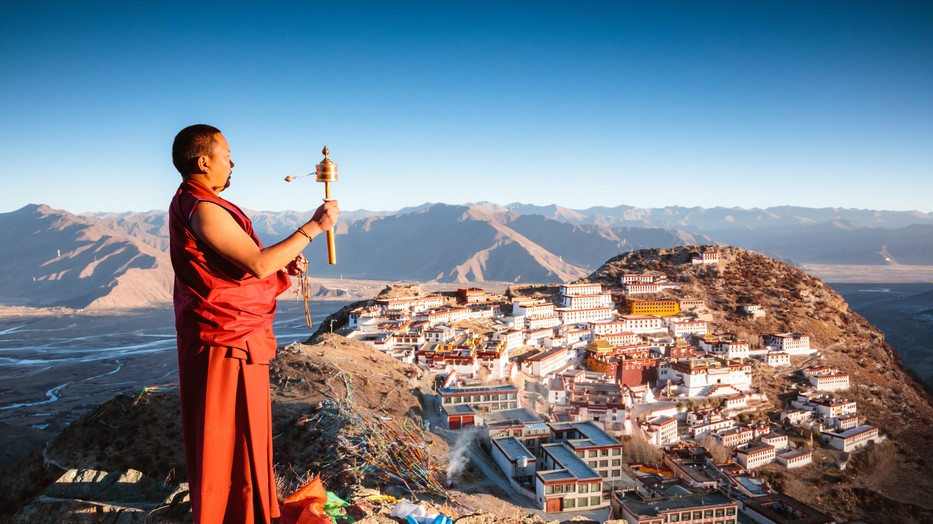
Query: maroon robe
[(223, 317)]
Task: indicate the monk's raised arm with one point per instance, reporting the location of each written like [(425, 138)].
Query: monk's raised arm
[(215, 226)]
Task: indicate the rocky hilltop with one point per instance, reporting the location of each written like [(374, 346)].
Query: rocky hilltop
[(888, 395), (327, 394)]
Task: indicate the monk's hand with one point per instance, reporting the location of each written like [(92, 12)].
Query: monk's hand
[(325, 217), (297, 266)]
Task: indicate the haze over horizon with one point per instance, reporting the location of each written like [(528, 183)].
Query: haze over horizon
[(725, 104)]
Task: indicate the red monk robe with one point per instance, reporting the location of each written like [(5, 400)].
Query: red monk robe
[(223, 317)]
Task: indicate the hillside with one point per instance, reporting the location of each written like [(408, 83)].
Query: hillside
[(887, 394), (55, 258), (143, 431)]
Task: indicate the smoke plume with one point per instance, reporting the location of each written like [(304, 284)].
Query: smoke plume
[(459, 455)]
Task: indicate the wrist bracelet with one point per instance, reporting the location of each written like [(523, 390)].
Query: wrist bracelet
[(305, 233)]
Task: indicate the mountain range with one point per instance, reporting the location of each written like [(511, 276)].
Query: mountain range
[(104, 260)]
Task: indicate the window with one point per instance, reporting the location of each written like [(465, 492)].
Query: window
[(708, 514), (674, 517), (584, 488), (594, 501), (604, 453), (604, 463), (616, 473), (616, 462), (570, 503), (720, 513), (593, 453), (616, 452), (730, 512)]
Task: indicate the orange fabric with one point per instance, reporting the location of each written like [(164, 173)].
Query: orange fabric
[(227, 425), (306, 506)]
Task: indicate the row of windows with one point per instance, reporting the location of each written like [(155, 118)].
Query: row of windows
[(479, 398), (581, 502), (486, 408), (698, 514), (600, 453), (603, 463), (571, 488)]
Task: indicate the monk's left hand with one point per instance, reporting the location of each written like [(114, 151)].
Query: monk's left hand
[(297, 266)]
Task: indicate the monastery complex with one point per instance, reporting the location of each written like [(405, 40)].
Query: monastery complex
[(561, 389)]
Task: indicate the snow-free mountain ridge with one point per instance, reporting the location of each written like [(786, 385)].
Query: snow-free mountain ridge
[(113, 260)]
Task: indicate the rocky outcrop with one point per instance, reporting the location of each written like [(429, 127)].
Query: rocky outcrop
[(94, 496)]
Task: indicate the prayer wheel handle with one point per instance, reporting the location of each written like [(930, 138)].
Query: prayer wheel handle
[(326, 172)]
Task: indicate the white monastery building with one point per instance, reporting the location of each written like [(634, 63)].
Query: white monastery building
[(791, 343), (755, 455), (582, 316), (852, 439), (794, 458)]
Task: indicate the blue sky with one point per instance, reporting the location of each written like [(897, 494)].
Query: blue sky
[(749, 104)]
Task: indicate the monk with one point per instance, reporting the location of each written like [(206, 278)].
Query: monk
[(226, 284)]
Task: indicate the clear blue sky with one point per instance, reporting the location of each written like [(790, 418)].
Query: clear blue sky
[(746, 104)]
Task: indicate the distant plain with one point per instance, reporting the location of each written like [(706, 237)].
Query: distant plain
[(55, 366)]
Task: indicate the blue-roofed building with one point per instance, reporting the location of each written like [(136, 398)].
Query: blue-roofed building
[(600, 450), (566, 482), (515, 460)]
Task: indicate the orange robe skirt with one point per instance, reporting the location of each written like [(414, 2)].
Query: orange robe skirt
[(227, 425)]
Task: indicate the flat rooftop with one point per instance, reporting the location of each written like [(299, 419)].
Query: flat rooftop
[(556, 474), (589, 431), (854, 431), (459, 409), (786, 510), (699, 472), (513, 448), (479, 390), (571, 463), (793, 453), (753, 485), (513, 417), (754, 447), (547, 354), (655, 507)]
